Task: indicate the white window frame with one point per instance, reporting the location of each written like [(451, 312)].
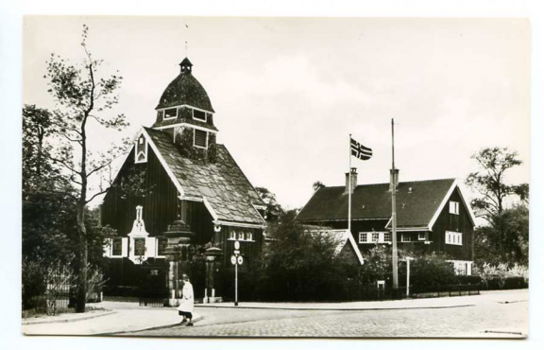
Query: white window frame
[(195, 118), (194, 139), (232, 235), (454, 207), (387, 240), (421, 236), (370, 237), (164, 117), (403, 235), (112, 243), (454, 238), (145, 151), (249, 236)]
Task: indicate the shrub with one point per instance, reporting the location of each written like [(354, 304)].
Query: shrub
[(33, 284), (429, 274), (500, 276)]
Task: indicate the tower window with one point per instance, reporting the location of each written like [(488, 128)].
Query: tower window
[(140, 150), (170, 113), (200, 138), (199, 115)]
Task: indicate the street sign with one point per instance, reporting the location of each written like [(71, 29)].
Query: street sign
[(236, 245), (240, 260), (236, 252), (233, 260)]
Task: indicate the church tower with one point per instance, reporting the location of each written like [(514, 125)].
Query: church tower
[(185, 112)]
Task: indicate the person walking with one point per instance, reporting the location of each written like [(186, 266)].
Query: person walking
[(186, 304)]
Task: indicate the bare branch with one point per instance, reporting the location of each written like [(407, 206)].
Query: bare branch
[(63, 163), (96, 195), (100, 167)]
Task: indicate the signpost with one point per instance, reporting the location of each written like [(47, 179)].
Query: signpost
[(236, 260), (408, 276)]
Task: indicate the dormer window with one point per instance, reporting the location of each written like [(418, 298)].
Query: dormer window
[(200, 115), (140, 150), (200, 138), (170, 113)]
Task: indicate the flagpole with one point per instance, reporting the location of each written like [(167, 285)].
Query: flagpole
[(349, 184), (394, 177)]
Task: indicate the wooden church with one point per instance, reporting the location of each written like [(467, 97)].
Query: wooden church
[(179, 199)]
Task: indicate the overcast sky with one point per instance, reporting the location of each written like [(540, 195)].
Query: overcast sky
[(287, 92)]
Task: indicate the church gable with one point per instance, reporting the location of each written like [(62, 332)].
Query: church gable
[(220, 184)]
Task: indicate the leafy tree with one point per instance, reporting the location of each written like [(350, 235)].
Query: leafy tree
[(505, 237), (489, 181), (318, 185), (505, 240), (300, 264), (82, 97), (273, 208), (39, 172)]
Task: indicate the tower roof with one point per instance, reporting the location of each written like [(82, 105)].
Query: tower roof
[(185, 90)]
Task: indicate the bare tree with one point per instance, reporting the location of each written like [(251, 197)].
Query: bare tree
[(83, 97)]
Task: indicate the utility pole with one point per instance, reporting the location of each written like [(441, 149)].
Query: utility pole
[(393, 187), (349, 184)]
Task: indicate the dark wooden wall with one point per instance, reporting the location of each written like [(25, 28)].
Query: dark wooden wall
[(457, 223), (445, 221), (159, 207)]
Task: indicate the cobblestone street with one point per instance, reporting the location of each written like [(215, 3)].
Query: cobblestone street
[(486, 318)]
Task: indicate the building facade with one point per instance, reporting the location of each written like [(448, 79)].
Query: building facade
[(179, 197), (432, 216)]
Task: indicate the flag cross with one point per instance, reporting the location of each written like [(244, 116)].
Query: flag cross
[(360, 151)]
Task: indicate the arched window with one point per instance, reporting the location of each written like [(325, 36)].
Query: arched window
[(140, 150)]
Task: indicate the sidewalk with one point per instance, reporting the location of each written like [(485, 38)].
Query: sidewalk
[(115, 318), (422, 303), (127, 317)]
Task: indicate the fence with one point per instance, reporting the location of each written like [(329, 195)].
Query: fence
[(447, 291), (53, 301), (152, 302)]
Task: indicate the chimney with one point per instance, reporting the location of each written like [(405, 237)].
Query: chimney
[(353, 172)]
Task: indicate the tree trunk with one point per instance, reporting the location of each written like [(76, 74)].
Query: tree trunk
[(81, 291)]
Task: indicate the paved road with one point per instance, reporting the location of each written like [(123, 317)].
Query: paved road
[(487, 318)]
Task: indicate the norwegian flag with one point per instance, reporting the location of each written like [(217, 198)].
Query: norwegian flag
[(360, 151)]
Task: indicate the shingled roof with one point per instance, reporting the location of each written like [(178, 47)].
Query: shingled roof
[(222, 183), (185, 90), (417, 202)]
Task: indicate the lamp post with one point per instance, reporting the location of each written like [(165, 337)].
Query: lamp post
[(211, 254)]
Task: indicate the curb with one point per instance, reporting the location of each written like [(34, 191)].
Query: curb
[(337, 308), (87, 317), (195, 319)]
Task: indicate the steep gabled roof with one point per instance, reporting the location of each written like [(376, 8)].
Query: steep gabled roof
[(225, 190), (340, 237), (417, 203)]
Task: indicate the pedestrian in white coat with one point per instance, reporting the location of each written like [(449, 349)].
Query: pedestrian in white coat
[(186, 304)]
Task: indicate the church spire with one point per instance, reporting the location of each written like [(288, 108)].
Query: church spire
[(186, 66)]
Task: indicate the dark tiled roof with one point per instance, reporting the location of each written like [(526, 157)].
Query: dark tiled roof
[(223, 183), (414, 209), (185, 90)]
